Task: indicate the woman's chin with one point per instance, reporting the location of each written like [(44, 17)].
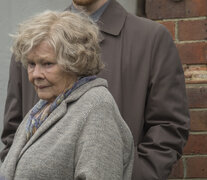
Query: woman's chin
[(45, 97)]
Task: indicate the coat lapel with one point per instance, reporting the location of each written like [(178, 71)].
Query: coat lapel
[(53, 118), (113, 19)]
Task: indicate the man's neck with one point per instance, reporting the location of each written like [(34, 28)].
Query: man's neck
[(89, 9)]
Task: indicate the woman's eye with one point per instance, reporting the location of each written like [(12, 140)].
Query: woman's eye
[(48, 64), (31, 64)]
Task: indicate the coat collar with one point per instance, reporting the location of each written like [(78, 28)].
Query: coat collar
[(75, 95), (60, 111), (113, 18)]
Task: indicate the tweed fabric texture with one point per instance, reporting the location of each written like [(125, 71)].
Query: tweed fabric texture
[(85, 137)]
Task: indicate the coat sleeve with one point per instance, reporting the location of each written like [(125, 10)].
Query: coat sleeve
[(104, 151), (166, 112), (13, 106)]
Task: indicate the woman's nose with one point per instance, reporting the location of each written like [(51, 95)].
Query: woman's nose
[(37, 72)]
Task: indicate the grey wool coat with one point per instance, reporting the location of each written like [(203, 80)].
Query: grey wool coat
[(84, 138)]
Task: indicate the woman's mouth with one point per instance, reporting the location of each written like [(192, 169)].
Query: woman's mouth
[(41, 87)]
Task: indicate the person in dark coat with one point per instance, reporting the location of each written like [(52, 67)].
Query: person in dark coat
[(145, 77)]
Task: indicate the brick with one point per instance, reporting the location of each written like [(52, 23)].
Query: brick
[(198, 120), (178, 170), (192, 30), (195, 8), (193, 53), (197, 96), (196, 167), (170, 25), (196, 144), (195, 74), (164, 9)]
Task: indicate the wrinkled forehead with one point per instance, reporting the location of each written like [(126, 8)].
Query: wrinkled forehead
[(42, 51)]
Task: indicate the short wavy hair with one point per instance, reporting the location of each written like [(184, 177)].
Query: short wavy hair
[(74, 37)]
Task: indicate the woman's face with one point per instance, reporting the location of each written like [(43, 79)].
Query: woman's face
[(45, 73)]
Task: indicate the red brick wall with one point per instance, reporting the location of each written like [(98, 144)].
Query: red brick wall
[(186, 20)]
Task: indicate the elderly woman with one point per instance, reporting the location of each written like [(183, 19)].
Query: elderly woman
[(75, 131)]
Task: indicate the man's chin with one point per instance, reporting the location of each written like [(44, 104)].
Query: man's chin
[(83, 2)]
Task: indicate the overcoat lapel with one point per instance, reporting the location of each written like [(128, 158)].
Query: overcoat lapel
[(113, 18)]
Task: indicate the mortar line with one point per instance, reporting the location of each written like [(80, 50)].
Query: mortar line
[(199, 109), (196, 85), (204, 65), (184, 168), (192, 41), (184, 19), (198, 133), (176, 32), (195, 155)]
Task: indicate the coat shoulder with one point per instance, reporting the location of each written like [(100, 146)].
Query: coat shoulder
[(144, 26), (98, 94)]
